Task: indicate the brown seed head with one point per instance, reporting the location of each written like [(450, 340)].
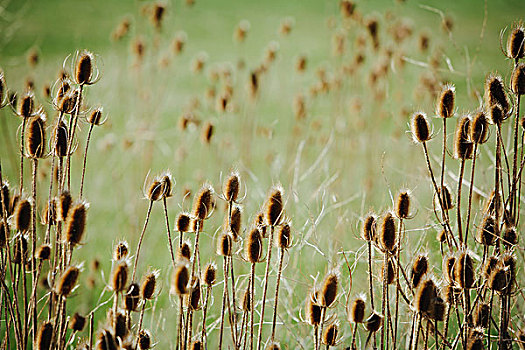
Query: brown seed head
[(155, 191), (445, 107), (496, 114), (203, 202), (274, 206), (44, 336), (207, 132), (425, 297), (67, 281), (63, 205), (488, 231), (419, 269), (44, 252), (498, 279), (131, 298), (420, 128), (462, 145), (60, 137), (481, 315), (225, 244), (49, 215), (22, 215), (120, 324), (76, 223), (235, 222), (328, 292), (464, 274), (157, 14), (510, 236), (475, 343), (283, 238), (184, 252), (439, 310), (387, 233), (20, 249), (313, 311), (183, 222), (444, 193), (357, 311), (26, 105), (509, 263), (195, 294), (105, 340), (390, 272), (516, 43), (517, 83), (403, 205), (495, 93), (36, 137), (84, 68), (253, 246), (442, 236), (4, 235), (490, 265), (209, 275), (347, 8), (68, 103), (479, 128), (119, 278), (330, 334), (369, 228), (120, 251), (5, 199), (246, 301), (448, 268), (231, 187), (273, 346), (374, 322), (144, 341), (77, 322), (95, 117), (180, 279), (147, 289)]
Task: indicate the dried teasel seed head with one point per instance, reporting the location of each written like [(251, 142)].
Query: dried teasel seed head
[(225, 244), (195, 294), (68, 103), (181, 278), (253, 246), (77, 322), (76, 223), (357, 311), (246, 300), (105, 340), (439, 310), (203, 202), (67, 281), (119, 278), (330, 334), (144, 341), (274, 206), (489, 208), (369, 228), (36, 137), (482, 315), (490, 265), (62, 91), (131, 297), (84, 68), (475, 343), (498, 279), (446, 197), (420, 128), (390, 272), (184, 252), (449, 292), (313, 312), (488, 231), (235, 222), (442, 236), (273, 346), (374, 322), (63, 205), (196, 344), (61, 140), (496, 114), (157, 14), (44, 336), (516, 43), (231, 187), (329, 288), (509, 263), (209, 274), (26, 105), (479, 128), (510, 236), (495, 93), (120, 251), (448, 268), (44, 252), (4, 235), (207, 132), (167, 184), (517, 82), (425, 297), (464, 273), (445, 106), (183, 222), (347, 8), (155, 191), (387, 233), (95, 117), (147, 288), (462, 145), (283, 238), (120, 324), (419, 269), (22, 215), (260, 223), (403, 205), (5, 199), (20, 250)]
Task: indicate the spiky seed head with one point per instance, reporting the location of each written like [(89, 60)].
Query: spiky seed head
[(516, 43), (347, 8), (155, 191), (44, 336), (5, 199), (76, 223), (369, 228), (490, 265), (449, 293), (510, 236), (439, 309), (357, 311), (481, 315), (147, 288), (274, 206), (95, 117), (119, 277), (44, 252), (195, 294), (462, 145), (253, 246), (390, 272), (517, 83), (283, 238), (157, 14), (120, 251), (479, 128), (36, 137), (448, 268), (495, 93), (68, 103), (313, 312), (209, 274), (475, 343), (374, 322), (464, 274), (184, 252), (63, 205), (203, 202), (419, 269), (235, 222), (445, 107), (4, 235), (330, 334), (224, 244), (132, 297), (67, 281), (196, 344), (77, 322), (144, 340), (509, 263), (246, 300), (444, 193), (425, 297), (403, 205), (498, 279), (181, 278), (328, 292), (183, 222), (273, 346), (387, 233), (489, 208), (496, 114), (20, 249), (420, 128), (121, 326), (105, 340), (260, 223), (488, 231), (61, 140), (231, 187), (84, 68), (22, 215), (62, 91), (26, 105)]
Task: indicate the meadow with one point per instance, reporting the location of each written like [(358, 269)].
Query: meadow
[(216, 128)]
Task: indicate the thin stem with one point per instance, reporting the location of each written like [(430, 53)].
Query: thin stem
[(196, 250), (140, 240), (398, 263), (370, 273), (225, 291), (458, 209), (471, 187), (252, 306), (74, 120), (265, 288), (205, 309), (139, 328), (85, 159), (513, 198), (24, 123), (33, 245), (281, 256), (170, 244)]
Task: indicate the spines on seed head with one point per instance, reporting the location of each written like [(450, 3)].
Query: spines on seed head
[(420, 128)]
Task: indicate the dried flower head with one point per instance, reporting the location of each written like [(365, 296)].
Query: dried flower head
[(119, 277), (144, 340), (85, 68), (357, 311), (253, 246), (22, 215), (67, 281), (235, 222), (183, 222), (26, 105), (195, 294), (479, 128), (374, 322), (132, 297), (462, 145), (445, 106), (77, 322), (403, 205), (36, 137), (63, 205), (313, 311), (425, 297), (495, 93), (420, 128), (44, 336), (203, 202), (419, 269), (330, 334), (181, 278), (369, 228), (516, 43), (446, 198), (329, 288), (76, 223), (149, 283), (274, 206), (387, 233), (488, 231), (43, 252), (209, 274), (231, 187), (155, 191), (517, 83), (464, 274), (95, 117)]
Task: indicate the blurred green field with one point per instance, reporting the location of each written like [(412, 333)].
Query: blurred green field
[(330, 163)]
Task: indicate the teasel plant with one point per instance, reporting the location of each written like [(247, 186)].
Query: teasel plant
[(389, 243), (180, 287), (93, 119), (224, 249), (209, 277), (253, 251)]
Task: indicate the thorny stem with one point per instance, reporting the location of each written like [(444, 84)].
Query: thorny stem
[(85, 159), (140, 240), (265, 288), (281, 256)]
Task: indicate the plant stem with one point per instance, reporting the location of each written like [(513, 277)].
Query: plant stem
[(281, 256), (85, 159), (140, 241), (265, 289)]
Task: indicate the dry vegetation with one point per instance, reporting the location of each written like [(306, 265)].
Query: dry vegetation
[(300, 263)]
